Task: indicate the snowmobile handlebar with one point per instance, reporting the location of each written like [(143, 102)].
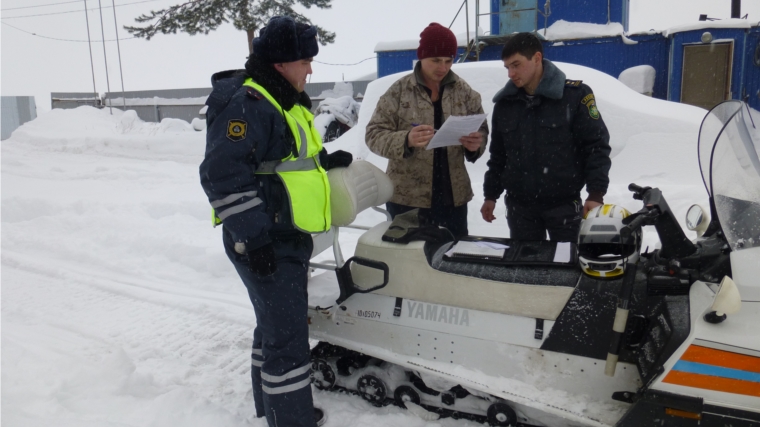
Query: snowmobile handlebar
[(657, 212), (638, 191), (640, 219)]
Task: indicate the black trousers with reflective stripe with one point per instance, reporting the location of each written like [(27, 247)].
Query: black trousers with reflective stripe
[(280, 358)]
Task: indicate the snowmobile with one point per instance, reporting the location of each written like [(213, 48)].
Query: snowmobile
[(530, 338)]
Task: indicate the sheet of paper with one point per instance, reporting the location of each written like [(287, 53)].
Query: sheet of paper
[(562, 254), (482, 249), (454, 128)]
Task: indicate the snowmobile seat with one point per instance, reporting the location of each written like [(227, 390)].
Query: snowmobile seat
[(531, 290), (355, 188)]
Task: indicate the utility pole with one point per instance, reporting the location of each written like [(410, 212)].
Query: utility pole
[(89, 43), (103, 35), (736, 9), (118, 49)]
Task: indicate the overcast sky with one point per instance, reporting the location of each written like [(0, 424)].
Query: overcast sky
[(38, 64)]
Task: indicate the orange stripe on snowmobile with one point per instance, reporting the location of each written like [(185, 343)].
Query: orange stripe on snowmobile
[(709, 382), (726, 359)]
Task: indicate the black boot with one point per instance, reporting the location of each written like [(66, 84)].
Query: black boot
[(319, 416)]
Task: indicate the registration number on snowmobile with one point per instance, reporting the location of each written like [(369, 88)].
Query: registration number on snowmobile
[(368, 314)]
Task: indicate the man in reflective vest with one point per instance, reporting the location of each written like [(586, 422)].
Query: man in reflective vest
[(264, 175)]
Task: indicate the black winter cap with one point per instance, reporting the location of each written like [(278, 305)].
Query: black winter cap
[(285, 40)]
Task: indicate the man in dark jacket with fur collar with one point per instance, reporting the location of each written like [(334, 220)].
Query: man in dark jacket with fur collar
[(262, 154), (548, 142)]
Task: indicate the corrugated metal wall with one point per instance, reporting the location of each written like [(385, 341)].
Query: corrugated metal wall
[(16, 110), (396, 61), (612, 56), (752, 69)]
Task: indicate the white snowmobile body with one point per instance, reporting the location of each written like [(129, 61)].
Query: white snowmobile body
[(408, 324)]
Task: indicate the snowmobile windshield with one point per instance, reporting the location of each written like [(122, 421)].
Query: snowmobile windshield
[(729, 156)]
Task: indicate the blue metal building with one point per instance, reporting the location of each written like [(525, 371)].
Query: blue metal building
[(694, 66), (509, 16)]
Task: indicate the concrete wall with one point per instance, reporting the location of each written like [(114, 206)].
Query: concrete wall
[(16, 110)]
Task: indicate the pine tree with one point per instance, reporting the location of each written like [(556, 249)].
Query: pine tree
[(203, 16)]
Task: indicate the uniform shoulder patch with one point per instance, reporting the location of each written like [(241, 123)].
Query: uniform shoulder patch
[(573, 83), (236, 130), (590, 102), (253, 93)]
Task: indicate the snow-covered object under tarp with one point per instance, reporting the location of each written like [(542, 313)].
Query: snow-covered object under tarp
[(344, 109), (339, 90)]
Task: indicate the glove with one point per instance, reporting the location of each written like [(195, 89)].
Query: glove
[(262, 260), (338, 159)]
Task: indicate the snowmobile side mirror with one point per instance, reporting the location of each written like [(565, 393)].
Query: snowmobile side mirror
[(697, 219), (727, 301), (346, 281)]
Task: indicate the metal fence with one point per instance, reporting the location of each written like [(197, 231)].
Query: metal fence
[(156, 105), (16, 110), (185, 104), (75, 99), (316, 89)]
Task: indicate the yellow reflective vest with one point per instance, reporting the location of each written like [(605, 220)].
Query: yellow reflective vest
[(304, 178)]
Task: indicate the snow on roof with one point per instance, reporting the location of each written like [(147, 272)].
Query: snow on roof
[(705, 25), (565, 30)]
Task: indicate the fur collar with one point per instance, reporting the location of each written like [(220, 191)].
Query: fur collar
[(552, 84), (281, 90)]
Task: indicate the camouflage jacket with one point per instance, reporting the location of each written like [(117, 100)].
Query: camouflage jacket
[(411, 170)]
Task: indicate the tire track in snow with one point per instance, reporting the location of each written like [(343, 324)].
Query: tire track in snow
[(194, 347)]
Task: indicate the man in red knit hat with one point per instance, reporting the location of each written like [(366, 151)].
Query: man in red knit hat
[(404, 121)]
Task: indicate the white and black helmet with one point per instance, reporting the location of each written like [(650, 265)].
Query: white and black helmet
[(601, 250)]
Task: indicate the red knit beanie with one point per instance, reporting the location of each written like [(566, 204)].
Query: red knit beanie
[(437, 40)]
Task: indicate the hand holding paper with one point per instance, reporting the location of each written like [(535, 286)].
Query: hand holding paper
[(472, 142), (454, 128)]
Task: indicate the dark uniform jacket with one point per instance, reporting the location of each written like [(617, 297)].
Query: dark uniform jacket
[(545, 148), (243, 130)]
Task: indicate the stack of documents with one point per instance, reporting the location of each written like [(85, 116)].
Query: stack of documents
[(477, 250)]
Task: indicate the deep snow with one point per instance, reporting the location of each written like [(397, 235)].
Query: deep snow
[(119, 307)]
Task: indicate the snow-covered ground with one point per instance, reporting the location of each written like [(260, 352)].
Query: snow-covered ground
[(119, 307)]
